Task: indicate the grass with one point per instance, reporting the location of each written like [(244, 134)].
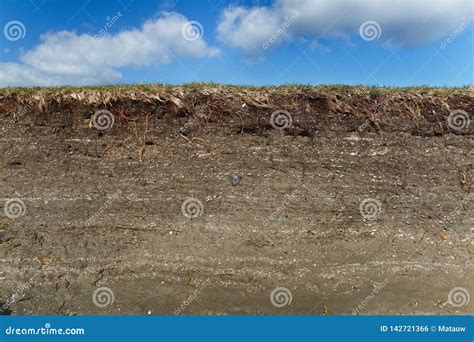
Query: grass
[(373, 91)]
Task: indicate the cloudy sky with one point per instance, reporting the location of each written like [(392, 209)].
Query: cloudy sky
[(376, 42)]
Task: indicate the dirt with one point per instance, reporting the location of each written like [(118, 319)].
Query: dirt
[(280, 208)]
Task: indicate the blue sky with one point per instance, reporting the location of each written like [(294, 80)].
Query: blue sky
[(375, 42)]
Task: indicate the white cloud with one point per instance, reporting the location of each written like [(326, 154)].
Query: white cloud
[(411, 22), (68, 58), (247, 28)]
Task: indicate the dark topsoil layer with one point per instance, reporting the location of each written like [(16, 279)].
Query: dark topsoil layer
[(419, 111), (99, 214)]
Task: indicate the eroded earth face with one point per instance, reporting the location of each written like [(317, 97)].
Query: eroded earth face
[(146, 217)]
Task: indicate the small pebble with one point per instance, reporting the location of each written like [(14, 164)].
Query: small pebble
[(234, 180)]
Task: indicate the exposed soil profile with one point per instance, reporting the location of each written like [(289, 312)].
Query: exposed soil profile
[(221, 200)]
